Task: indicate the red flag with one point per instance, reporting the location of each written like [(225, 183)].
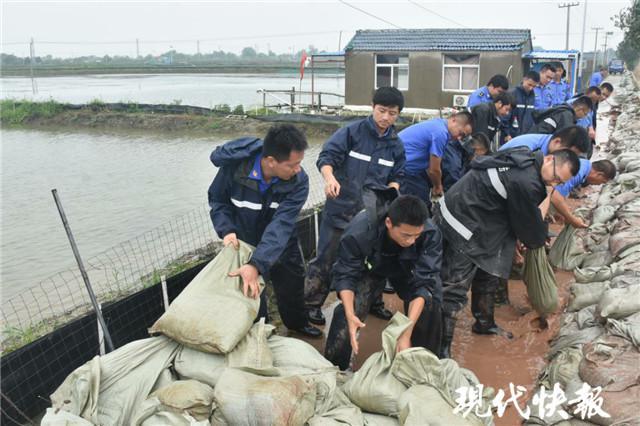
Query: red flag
[(303, 60)]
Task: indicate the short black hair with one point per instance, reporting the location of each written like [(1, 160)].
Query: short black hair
[(506, 98), (594, 89), (408, 209), (389, 97), (482, 140), (573, 136), (499, 80), (464, 116), (563, 156), (606, 167), (585, 101), (281, 139), (607, 86), (546, 67), (533, 75)]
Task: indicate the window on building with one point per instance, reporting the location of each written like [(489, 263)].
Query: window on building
[(460, 72), (392, 70)]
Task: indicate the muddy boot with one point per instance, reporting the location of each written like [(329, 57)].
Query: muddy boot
[(448, 328), (482, 306), (502, 292)]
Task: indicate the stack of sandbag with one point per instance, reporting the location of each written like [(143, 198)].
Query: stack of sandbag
[(598, 344), (412, 387)]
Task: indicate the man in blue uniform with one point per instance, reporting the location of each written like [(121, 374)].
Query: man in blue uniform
[(496, 85), (544, 95), (424, 145), (574, 138), (557, 118), (560, 90), (458, 155), (400, 245), (596, 173), (598, 77), (256, 197), (520, 120), (365, 155)]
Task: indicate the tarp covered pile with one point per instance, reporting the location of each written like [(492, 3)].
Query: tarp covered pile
[(599, 341), (214, 366)]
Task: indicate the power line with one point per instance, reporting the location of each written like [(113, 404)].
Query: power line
[(437, 14), (368, 14)]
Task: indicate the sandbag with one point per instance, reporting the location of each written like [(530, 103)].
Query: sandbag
[(594, 273), (586, 317), (564, 253), (201, 366), (610, 362), (628, 328), (189, 396), (619, 302), (379, 420), (585, 294), (109, 389), (422, 405), (252, 353), (296, 355), (340, 412), (598, 258), (155, 413), (540, 281), (622, 240), (563, 368), (373, 388), (244, 398), (604, 214), (53, 417), (211, 314), (575, 338)]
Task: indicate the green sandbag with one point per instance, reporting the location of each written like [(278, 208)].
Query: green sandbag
[(564, 253), (540, 280), (211, 314)]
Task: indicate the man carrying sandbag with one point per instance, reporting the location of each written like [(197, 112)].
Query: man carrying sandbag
[(256, 197), (400, 245), (482, 216)]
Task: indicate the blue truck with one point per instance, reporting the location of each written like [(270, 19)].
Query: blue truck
[(616, 66)]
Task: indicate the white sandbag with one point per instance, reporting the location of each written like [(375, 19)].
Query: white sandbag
[(154, 413), (585, 294), (604, 214), (247, 399), (190, 396), (109, 389), (201, 366), (211, 314), (53, 417), (373, 388), (291, 354), (371, 419), (594, 273), (340, 412), (422, 405), (628, 327), (619, 302), (252, 353)]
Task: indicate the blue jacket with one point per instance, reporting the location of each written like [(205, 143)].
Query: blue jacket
[(413, 271), (521, 119), (596, 79), (560, 92), (480, 96), (361, 159), (266, 221), (544, 96)]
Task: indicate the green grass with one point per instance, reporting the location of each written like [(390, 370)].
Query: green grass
[(18, 112), (14, 337)]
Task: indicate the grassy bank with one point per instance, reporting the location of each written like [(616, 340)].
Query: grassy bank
[(175, 119)]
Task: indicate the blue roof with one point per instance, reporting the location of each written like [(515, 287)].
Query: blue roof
[(446, 39)]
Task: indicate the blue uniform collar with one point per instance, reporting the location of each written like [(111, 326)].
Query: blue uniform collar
[(256, 174), (545, 144), (375, 128)]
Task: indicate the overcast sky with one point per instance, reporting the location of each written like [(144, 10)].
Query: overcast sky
[(75, 28)]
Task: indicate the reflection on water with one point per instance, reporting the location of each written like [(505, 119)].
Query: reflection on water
[(205, 90), (113, 187)]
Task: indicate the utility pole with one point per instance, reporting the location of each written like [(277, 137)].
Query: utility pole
[(137, 48), (32, 56), (606, 56), (595, 49), (198, 46), (568, 6), (584, 29), (340, 41)]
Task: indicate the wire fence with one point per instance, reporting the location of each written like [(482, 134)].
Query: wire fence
[(121, 270)]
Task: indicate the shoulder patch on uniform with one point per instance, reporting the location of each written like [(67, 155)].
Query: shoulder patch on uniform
[(481, 94)]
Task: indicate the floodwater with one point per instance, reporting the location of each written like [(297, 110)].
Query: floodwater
[(204, 90), (113, 187)]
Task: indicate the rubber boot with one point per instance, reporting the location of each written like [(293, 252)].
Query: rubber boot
[(502, 292), (448, 328), (482, 307)]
